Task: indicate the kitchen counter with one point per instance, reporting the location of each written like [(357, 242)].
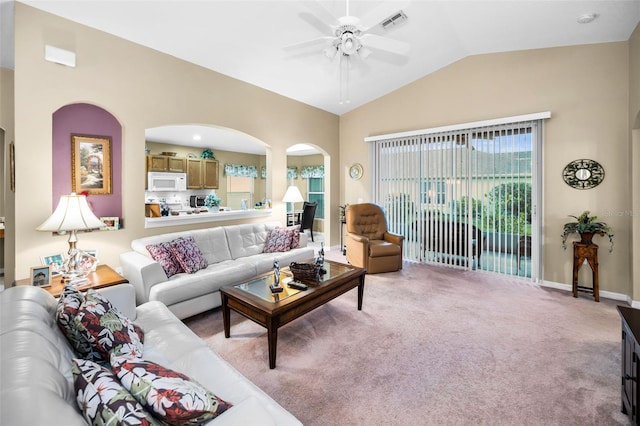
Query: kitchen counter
[(188, 219)]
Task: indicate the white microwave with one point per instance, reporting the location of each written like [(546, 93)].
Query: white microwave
[(162, 181)]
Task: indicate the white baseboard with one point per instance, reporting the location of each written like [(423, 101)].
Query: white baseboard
[(605, 294)]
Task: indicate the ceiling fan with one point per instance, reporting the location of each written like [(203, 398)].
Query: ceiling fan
[(351, 37)]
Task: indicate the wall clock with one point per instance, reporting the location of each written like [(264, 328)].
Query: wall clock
[(583, 174), (356, 171)]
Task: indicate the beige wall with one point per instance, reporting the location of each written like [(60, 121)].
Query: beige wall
[(634, 120), (6, 195), (141, 88), (586, 88)]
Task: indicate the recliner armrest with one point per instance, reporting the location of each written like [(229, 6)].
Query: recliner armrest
[(393, 238), (358, 238)]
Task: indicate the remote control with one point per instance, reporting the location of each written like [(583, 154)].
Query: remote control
[(298, 285)]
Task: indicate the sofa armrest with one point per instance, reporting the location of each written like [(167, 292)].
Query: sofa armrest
[(304, 240), (123, 298), (142, 272)]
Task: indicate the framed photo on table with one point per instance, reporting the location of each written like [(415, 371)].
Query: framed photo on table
[(56, 261), (91, 164), (111, 223), (41, 276)]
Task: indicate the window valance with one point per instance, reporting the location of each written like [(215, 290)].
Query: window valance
[(239, 170), (312, 172), (292, 173)]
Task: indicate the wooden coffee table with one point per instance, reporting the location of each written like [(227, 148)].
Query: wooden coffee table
[(255, 301)]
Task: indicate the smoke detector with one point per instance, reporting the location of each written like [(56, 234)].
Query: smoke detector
[(587, 18)]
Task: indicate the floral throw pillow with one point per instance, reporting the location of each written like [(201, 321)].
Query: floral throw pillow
[(169, 395), (188, 254), (278, 240), (107, 329), (103, 400), (162, 254), (68, 306)]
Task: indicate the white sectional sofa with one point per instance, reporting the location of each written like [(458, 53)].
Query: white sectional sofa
[(234, 253), (36, 359)]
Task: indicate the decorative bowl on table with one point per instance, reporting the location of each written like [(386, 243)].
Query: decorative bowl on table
[(305, 271)]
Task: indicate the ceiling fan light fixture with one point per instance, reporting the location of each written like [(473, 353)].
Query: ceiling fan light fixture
[(330, 52), (349, 44)]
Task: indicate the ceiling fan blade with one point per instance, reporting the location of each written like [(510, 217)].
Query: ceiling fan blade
[(316, 42), (390, 45), (381, 12), (322, 26), (320, 12)]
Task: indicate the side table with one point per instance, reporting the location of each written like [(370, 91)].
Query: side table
[(104, 276), (582, 251)]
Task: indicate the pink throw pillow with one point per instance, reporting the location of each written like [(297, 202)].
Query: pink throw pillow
[(278, 240), (188, 254), (162, 254), (295, 236)]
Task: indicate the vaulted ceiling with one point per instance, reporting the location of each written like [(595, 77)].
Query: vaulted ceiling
[(247, 39)]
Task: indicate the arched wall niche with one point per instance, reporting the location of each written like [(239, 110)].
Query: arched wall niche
[(311, 155), (91, 120)]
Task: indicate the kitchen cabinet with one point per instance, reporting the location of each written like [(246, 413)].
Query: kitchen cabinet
[(164, 163), (202, 174)]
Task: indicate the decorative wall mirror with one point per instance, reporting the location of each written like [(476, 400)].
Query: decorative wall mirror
[(583, 174)]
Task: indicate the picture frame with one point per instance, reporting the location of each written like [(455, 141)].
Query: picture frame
[(92, 252), (55, 261), (112, 223), (41, 276), (91, 164), (87, 262)]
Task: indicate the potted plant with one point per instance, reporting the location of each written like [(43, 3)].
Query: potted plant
[(587, 227), (212, 202)]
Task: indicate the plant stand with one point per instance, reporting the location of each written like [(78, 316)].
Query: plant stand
[(582, 251)]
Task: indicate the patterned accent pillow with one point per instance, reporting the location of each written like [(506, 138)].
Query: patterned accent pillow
[(162, 254), (278, 240), (295, 236), (68, 306), (169, 395), (107, 329), (188, 254), (103, 400)]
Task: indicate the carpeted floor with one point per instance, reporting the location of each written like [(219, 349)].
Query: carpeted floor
[(437, 346)]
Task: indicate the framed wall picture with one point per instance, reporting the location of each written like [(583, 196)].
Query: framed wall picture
[(41, 276), (91, 164), (112, 223), (56, 261)]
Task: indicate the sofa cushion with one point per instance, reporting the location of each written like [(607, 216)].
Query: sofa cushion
[(107, 329), (247, 239), (213, 244), (188, 254), (163, 254), (278, 240), (103, 400), (67, 309), (168, 394)]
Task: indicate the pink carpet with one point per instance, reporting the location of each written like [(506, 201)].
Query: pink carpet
[(437, 346)]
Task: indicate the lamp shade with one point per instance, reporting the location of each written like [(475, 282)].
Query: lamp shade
[(72, 214), (292, 195)]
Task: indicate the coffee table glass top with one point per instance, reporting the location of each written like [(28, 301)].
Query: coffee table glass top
[(260, 286)]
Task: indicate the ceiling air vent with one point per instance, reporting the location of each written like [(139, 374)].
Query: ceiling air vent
[(395, 19)]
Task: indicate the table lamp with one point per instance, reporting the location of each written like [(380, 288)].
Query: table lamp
[(292, 195), (72, 214)]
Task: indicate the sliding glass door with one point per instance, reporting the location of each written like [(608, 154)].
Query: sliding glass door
[(464, 198)]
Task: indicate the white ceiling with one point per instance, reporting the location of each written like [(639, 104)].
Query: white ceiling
[(246, 39)]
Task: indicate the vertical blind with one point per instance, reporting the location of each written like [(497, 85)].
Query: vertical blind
[(465, 197)]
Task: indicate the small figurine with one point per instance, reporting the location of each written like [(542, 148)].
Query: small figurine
[(320, 258), (276, 287)]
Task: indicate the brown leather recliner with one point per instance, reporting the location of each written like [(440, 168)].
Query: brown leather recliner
[(369, 244)]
